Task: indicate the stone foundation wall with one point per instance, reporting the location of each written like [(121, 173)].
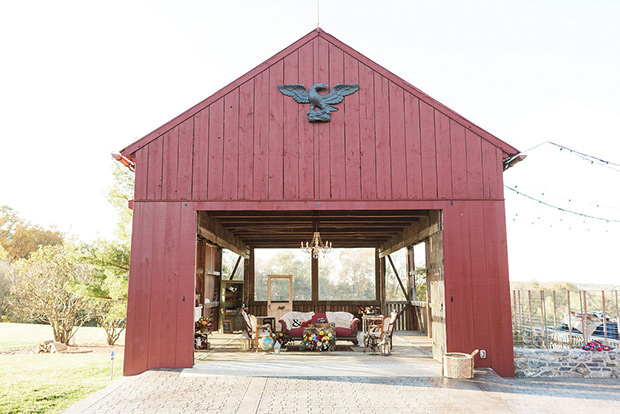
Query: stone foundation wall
[(566, 363)]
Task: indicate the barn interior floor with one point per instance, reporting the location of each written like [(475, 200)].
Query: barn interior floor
[(411, 356)]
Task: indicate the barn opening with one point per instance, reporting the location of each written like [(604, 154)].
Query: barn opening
[(378, 259)]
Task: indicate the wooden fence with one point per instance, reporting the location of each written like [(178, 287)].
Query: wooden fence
[(564, 319)]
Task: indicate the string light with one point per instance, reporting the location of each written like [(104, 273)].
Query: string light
[(560, 208), (608, 164)]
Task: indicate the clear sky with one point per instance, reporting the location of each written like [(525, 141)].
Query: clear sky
[(79, 80)]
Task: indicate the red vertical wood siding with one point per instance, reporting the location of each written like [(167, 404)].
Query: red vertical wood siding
[(477, 283), (246, 140), (306, 130), (292, 164), (352, 132), (276, 132), (336, 129), (250, 144), (397, 143), (231, 146), (161, 288)]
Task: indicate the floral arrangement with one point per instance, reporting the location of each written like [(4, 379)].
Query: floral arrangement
[(204, 325), (596, 346), (366, 310), (282, 338), (318, 341)]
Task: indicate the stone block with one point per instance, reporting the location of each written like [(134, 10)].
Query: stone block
[(581, 369)]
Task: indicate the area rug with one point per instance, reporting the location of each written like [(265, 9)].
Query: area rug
[(339, 348)]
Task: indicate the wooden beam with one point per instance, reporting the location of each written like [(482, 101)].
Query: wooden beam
[(413, 234), (402, 287), (232, 274), (212, 230)]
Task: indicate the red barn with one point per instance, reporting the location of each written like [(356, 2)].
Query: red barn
[(246, 169)]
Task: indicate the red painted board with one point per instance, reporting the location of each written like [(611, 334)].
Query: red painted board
[(291, 131), (246, 140), (465, 272), (306, 131), (216, 150), (336, 127), (453, 279), (489, 170), (367, 133), (201, 156), (130, 365), (171, 278), (231, 145), (154, 180), (479, 278), (185, 163), (459, 161), (140, 293), (155, 315), (142, 166), (261, 135), (503, 361), (322, 128), (474, 166), (499, 175), (444, 165), (427, 139), (382, 138), (413, 148), (185, 296), (352, 131), (171, 157), (397, 142), (276, 132)]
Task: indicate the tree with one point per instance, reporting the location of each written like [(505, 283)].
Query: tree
[(109, 259), (119, 195), (44, 287), (5, 284), (20, 238), (107, 290)]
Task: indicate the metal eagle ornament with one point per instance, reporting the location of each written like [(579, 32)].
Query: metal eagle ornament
[(320, 105)]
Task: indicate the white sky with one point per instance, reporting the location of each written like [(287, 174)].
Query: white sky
[(81, 79)]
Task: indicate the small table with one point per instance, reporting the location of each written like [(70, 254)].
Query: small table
[(370, 320), (263, 320)]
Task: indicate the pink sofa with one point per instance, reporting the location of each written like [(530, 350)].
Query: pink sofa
[(342, 334)]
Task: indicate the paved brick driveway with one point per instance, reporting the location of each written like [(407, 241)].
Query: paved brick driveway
[(409, 381)]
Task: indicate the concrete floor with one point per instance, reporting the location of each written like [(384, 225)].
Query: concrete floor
[(408, 381)]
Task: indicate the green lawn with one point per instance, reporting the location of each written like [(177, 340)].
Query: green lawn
[(50, 383), (21, 335)]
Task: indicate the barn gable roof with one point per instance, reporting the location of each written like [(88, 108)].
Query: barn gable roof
[(506, 149)]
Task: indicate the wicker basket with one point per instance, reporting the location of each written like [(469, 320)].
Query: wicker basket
[(458, 365)]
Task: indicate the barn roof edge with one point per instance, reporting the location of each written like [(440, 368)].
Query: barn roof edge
[(507, 149)]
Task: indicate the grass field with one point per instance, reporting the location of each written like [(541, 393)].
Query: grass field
[(21, 335), (50, 383)]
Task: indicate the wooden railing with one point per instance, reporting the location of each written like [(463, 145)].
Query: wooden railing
[(412, 319)]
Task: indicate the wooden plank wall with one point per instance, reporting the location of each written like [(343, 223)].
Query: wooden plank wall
[(477, 284), (383, 143), (161, 288)]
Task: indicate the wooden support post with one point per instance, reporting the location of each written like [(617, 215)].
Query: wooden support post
[(251, 276), (413, 322), (604, 318), (377, 276), (382, 274)]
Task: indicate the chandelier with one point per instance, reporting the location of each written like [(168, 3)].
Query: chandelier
[(316, 246)]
